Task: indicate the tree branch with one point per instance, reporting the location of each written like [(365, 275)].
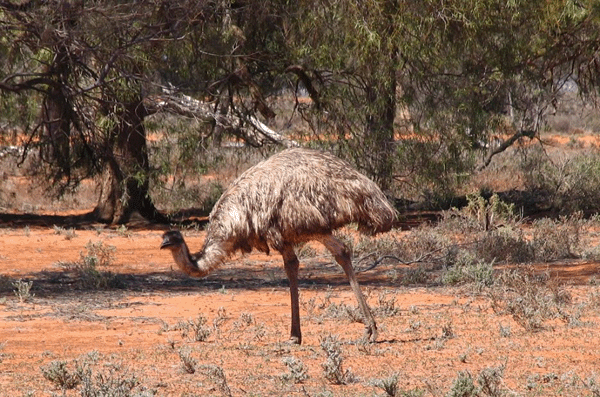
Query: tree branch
[(249, 127), (505, 145)]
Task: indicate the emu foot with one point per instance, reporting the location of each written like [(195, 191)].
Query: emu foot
[(296, 340), (371, 333)]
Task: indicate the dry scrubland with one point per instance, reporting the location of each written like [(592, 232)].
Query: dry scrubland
[(479, 303)]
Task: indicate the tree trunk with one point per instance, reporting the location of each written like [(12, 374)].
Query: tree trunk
[(380, 128), (125, 186), (56, 124)]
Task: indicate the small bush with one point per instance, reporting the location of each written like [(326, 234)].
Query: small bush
[(195, 330), (217, 374), (342, 310), (298, 372), (113, 381), (488, 384), (386, 305), (58, 373), (490, 381), (566, 184), (505, 244), (188, 363), (22, 290), (463, 386), (332, 367), (98, 254), (469, 270), (481, 214), (559, 239), (89, 276), (415, 275), (389, 385), (529, 299)]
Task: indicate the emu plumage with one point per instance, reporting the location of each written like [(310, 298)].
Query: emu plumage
[(295, 196)]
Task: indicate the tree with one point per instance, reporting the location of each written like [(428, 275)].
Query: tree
[(100, 68), (455, 74)]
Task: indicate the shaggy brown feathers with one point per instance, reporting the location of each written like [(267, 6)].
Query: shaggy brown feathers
[(295, 196)]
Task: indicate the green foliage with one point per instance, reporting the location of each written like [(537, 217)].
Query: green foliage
[(468, 269), (411, 92), (98, 254), (463, 386), (88, 268), (567, 185), (22, 290), (488, 384)]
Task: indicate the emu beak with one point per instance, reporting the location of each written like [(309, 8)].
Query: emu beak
[(166, 243)]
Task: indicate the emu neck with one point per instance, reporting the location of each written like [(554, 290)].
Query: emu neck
[(186, 263), (199, 265)]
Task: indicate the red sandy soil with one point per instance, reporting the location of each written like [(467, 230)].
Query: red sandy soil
[(436, 332), (137, 330)]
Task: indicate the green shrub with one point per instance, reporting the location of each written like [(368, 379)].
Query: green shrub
[(89, 276), (469, 270), (556, 239), (58, 373), (567, 184), (505, 244)]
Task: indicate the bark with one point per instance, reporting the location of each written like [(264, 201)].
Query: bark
[(250, 128), (125, 186), (505, 145), (380, 127), (56, 127)]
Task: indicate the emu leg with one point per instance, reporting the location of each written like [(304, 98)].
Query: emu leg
[(290, 261), (341, 253)]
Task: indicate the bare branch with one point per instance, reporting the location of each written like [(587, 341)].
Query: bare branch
[(250, 127), (505, 145)]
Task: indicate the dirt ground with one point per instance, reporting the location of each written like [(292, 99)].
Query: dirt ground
[(428, 334), (160, 333)]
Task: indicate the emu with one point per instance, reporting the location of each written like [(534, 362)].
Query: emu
[(295, 196)]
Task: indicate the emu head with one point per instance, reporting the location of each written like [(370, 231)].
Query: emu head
[(187, 262), (172, 240)]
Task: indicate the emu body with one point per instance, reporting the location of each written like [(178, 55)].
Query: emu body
[(295, 196)]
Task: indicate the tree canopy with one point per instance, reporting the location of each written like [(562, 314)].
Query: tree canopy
[(406, 90)]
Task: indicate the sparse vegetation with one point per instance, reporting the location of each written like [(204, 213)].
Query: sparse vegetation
[(297, 370), (90, 268), (333, 369), (58, 373), (195, 329), (508, 272), (388, 384), (90, 379), (22, 290), (530, 299), (188, 363)]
